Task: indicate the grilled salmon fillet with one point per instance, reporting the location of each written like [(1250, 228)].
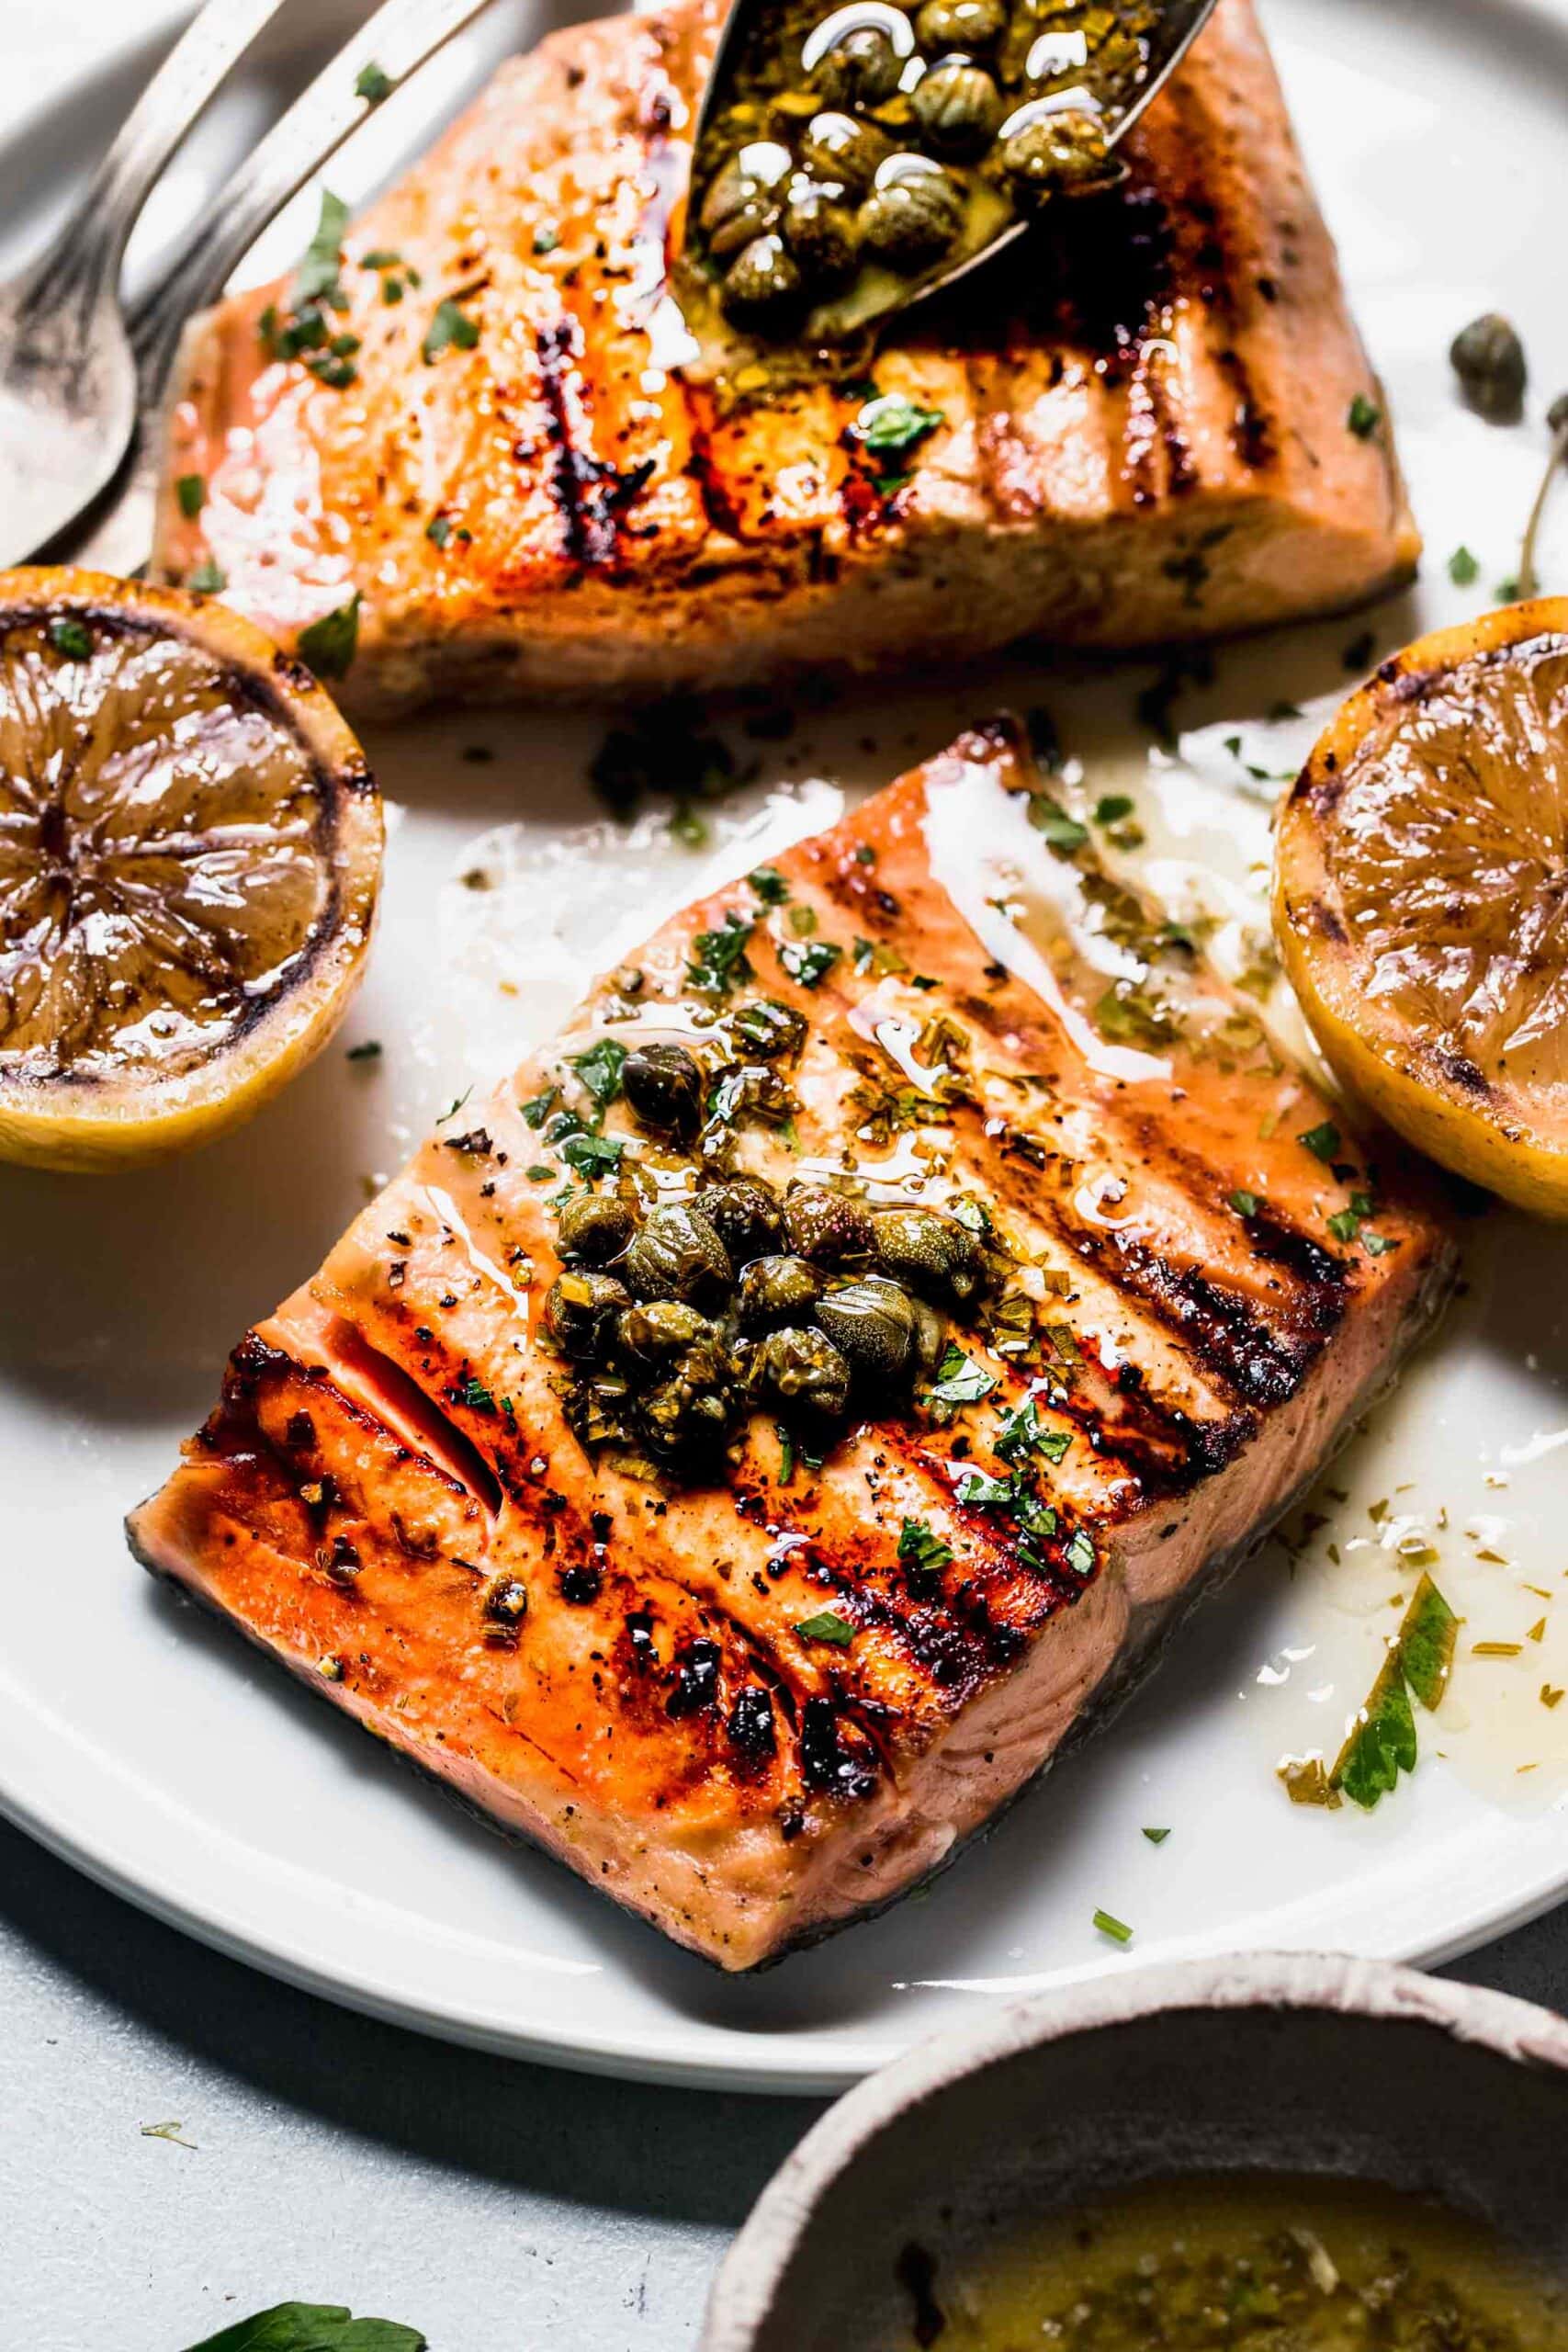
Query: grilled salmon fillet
[(754, 1702), (1145, 431)]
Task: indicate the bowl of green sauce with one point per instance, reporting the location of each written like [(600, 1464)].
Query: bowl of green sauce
[(1271, 2154)]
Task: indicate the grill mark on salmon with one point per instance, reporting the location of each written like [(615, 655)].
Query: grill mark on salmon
[(389, 1499), (1142, 442)]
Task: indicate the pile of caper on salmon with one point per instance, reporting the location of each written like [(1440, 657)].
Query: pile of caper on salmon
[(878, 139), (692, 1294)]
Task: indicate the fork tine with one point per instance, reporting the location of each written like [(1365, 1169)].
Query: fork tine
[(398, 40)]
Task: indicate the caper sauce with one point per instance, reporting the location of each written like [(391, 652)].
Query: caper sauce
[(849, 158), (693, 1294), (1257, 2266)]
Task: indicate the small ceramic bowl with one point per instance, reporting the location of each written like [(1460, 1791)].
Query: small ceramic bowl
[(1264, 2064)]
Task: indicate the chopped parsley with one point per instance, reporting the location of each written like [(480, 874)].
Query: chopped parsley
[(921, 1547), (438, 530), (1059, 831), (209, 579), (318, 278), (330, 644), (1117, 1929), (808, 961), (1463, 568), (313, 2327), (600, 1068), (450, 329), (1023, 1432), (546, 240), (1244, 1202), (369, 1051), (718, 957), (827, 1627), (961, 1381), (982, 1492), (1112, 807), (1322, 1141), (190, 491), (71, 638), (473, 1393), (1080, 1554), (890, 426), (1363, 417), (769, 884), (1344, 1225), (590, 1155), (1156, 1837), (537, 1108), (373, 83)]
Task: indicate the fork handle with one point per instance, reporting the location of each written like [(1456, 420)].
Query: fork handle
[(95, 237), (397, 39)]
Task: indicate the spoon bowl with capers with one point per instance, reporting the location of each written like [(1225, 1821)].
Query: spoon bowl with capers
[(849, 165)]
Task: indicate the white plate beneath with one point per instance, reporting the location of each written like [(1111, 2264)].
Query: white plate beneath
[(154, 1751)]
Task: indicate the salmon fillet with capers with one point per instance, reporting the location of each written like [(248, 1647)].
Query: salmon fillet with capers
[(463, 435), (738, 1452)]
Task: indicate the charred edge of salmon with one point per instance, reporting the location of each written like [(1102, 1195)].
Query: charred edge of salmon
[(1159, 1622)]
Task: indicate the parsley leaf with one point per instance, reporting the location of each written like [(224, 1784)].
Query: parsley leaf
[(438, 530), (591, 1156), (1080, 1554), (1463, 568), (827, 1627), (718, 957), (1023, 1432), (890, 425), (373, 83), (537, 1108), (1244, 1204), (191, 493), (312, 2327), (1112, 807), (209, 579), (330, 644), (961, 1381), (1059, 831), (71, 638), (1156, 1837), (769, 884), (921, 1547), (1322, 1141), (1364, 417), (450, 328), (316, 279), (600, 1068), (808, 961)]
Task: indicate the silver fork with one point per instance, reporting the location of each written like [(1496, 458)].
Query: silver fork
[(67, 382), (394, 43)]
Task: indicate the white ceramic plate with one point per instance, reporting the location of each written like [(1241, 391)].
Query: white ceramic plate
[(152, 1748)]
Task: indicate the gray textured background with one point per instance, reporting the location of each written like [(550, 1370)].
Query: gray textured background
[(502, 2208)]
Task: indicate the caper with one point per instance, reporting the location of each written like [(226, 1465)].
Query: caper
[(581, 1310), (822, 236), (594, 1227), (663, 1328), (678, 1255), (744, 1212), (826, 1226), (861, 69), (958, 107), (934, 1252), (803, 1371), (967, 25), (684, 1414), (762, 284), (1054, 151), (774, 1031), (872, 1324), (1489, 360), (837, 147), (736, 209), (930, 1339), (664, 1088), (776, 1289), (911, 220)]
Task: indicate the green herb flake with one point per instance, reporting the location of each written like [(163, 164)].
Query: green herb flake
[(71, 638), (1377, 1245), (591, 1156), (1057, 830), (1344, 1225), (330, 644), (190, 491), (1156, 1837), (718, 957), (540, 1172), (537, 1108), (368, 1051), (921, 1547), (167, 2131), (979, 1491), (808, 962), (1112, 807), (1244, 1204), (1382, 1744), (546, 240), (787, 1454), (1363, 417), (1463, 568), (1080, 1554), (1426, 1639), (827, 1627), (438, 530), (769, 885), (600, 1068), (891, 426), (450, 329), (1322, 1141), (209, 579), (317, 277), (312, 2327), (1117, 1929), (373, 83), (959, 1380), (473, 1393)]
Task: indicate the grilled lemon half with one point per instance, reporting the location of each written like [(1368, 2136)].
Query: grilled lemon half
[(1421, 898), (190, 854)]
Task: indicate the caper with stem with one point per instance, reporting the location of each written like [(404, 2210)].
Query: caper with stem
[(664, 1088), (774, 1290), (802, 1371), (826, 1226), (677, 1254), (913, 215), (958, 106), (872, 1324), (581, 1310), (594, 1227)]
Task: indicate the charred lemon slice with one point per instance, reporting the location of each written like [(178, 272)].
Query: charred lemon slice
[(190, 850), (1421, 899)]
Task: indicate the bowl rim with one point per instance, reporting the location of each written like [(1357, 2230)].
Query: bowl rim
[(749, 2280)]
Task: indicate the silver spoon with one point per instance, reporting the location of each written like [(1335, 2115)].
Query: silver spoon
[(881, 293), (67, 378)]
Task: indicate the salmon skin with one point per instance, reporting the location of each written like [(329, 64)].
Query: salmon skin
[(755, 1701), (1138, 424)]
